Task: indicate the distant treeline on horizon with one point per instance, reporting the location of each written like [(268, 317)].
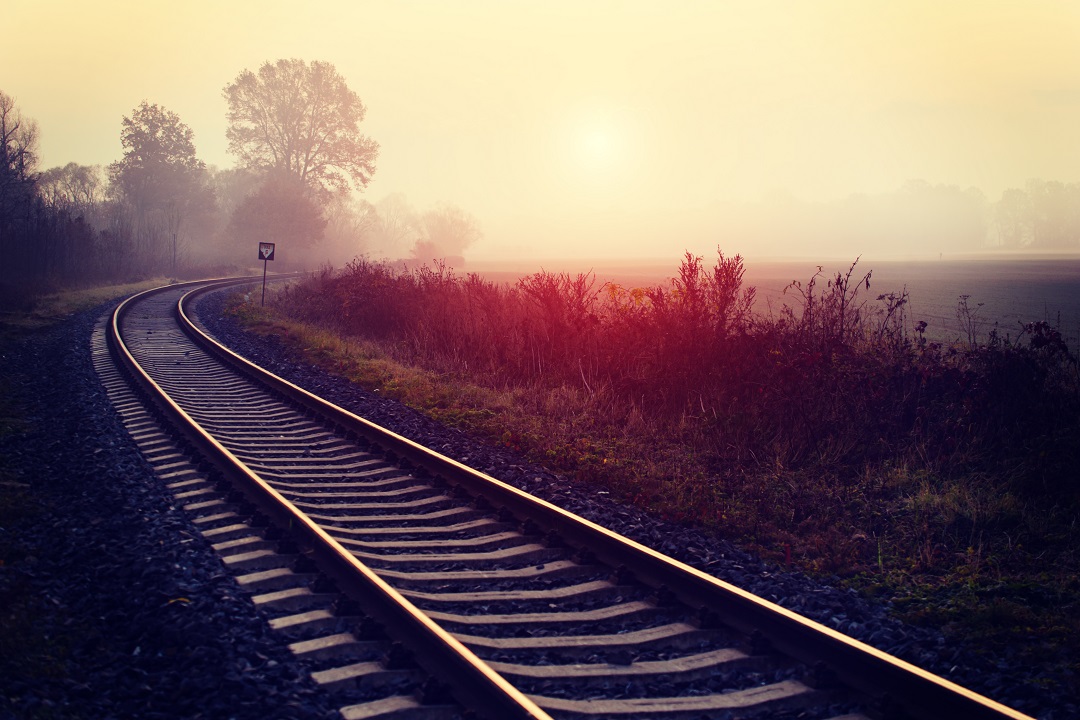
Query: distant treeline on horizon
[(918, 219), (159, 209)]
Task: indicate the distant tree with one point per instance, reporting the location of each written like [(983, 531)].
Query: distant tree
[(447, 231), (73, 188), (394, 227), (231, 187), (280, 211), (159, 176), (159, 158), (300, 118), (350, 221), (1053, 211), (18, 162), (1013, 216)]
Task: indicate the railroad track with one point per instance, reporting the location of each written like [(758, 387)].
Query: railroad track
[(417, 587)]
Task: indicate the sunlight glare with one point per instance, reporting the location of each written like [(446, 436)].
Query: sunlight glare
[(598, 147)]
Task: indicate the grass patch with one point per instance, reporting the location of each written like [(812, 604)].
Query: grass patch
[(48, 309)]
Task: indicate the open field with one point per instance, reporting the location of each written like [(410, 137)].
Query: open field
[(1006, 289)]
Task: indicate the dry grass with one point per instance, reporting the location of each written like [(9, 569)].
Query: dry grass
[(50, 308)]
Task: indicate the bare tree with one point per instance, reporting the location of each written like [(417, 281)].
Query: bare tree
[(18, 161), (394, 226), (300, 118), (350, 222), (73, 188)]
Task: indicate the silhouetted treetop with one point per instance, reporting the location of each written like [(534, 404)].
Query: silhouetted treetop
[(302, 118), (18, 159), (72, 188), (159, 160)]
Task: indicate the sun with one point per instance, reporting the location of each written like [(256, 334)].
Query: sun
[(599, 154), (597, 143), (598, 147)]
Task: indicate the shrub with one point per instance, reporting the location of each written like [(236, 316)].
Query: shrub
[(833, 380)]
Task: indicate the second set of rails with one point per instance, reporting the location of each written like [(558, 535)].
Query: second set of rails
[(510, 606)]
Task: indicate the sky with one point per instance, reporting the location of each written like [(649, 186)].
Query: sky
[(594, 129)]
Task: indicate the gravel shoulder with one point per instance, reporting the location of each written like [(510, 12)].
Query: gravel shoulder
[(111, 604)]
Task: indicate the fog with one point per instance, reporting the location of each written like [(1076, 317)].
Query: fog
[(617, 129)]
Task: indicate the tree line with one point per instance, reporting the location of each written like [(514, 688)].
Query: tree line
[(294, 128), (916, 219), (1043, 214)]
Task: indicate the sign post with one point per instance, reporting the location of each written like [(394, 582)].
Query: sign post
[(266, 252)]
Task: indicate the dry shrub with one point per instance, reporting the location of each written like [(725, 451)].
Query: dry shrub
[(834, 380)]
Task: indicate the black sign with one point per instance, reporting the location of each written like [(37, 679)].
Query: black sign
[(266, 251)]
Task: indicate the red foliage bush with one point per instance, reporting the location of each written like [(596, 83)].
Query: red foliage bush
[(832, 379)]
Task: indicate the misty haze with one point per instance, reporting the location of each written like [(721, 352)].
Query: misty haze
[(801, 276)]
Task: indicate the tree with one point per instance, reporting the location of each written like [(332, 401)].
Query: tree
[(280, 211), (159, 158), (391, 226), (159, 175), (1012, 215), (350, 222), (231, 187), (18, 161), (303, 119), (1054, 218), (448, 230), (75, 189)]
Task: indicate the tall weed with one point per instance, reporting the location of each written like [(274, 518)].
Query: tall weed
[(831, 428)]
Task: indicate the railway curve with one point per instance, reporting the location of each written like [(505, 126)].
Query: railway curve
[(512, 606)]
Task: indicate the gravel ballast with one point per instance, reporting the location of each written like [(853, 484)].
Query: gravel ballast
[(112, 604)]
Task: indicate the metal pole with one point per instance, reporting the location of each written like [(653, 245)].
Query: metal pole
[(264, 283)]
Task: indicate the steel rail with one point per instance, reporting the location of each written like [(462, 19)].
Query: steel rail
[(896, 685), (471, 680)]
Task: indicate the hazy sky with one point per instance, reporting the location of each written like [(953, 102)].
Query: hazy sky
[(593, 128)]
